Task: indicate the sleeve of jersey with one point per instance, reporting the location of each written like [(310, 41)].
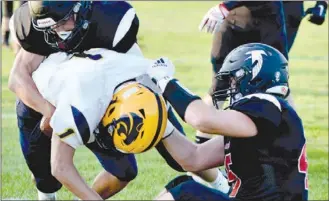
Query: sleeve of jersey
[(64, 126), (126, 34), (231, 4), (263, 109)]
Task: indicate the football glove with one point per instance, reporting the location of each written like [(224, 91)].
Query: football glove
[(318, 12), (214, 18), (161, 72)]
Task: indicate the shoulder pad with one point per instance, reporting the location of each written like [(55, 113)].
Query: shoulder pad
[(117, 25), (266, 97), (260, 107)]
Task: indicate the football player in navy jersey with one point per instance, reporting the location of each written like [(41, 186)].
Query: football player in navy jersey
[(45, 27), (234, 23), (264, 147)]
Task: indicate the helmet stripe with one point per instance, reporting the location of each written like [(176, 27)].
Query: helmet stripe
[(160, 119)]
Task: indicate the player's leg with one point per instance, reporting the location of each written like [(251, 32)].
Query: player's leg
[(191, 190), (273, 33), (36, 150), (119, 170), (8, 11), (294, 13)]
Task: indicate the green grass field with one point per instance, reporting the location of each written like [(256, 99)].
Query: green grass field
[(170, 29)]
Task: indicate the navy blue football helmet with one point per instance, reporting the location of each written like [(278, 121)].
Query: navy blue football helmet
[(48, 14), (255, 68)]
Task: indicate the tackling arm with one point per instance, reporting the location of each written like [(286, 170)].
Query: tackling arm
[(62, 168), (194, 111), (205, 118), (192, 156), (22, 84), (225, 122)]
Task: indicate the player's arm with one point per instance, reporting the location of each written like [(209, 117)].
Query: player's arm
[(192, 156), (22, 84), (205, 118), (66, 138), (224, 122), (194, 111), (63, 169), (248, 117)]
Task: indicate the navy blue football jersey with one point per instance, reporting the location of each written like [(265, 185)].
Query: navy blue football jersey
[(113, 25), (271, 165)]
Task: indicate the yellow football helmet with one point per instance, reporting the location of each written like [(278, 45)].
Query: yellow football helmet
[(136, 118)]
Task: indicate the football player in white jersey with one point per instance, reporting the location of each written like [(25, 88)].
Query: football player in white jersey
[(81, 87)]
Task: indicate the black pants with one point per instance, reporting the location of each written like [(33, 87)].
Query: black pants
[(293, 13)]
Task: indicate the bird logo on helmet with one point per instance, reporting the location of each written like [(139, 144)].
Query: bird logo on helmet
[(253, 68), (136, 118), (125, 127)]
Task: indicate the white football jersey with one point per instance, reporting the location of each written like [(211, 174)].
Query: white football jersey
[(82, 88)]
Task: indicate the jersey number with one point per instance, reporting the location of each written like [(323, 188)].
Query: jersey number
[(232, 177), (303, 165)]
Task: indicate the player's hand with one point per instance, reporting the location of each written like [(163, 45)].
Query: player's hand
[(318, 12), (213, 18), (45, 121), (161, 71)]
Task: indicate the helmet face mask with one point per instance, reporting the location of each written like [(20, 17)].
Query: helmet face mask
[(47, 17), (253, 68), (233, 79)]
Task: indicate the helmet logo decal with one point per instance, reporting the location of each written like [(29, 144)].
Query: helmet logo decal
[(256, 56), (127, 127), (277, 76)]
